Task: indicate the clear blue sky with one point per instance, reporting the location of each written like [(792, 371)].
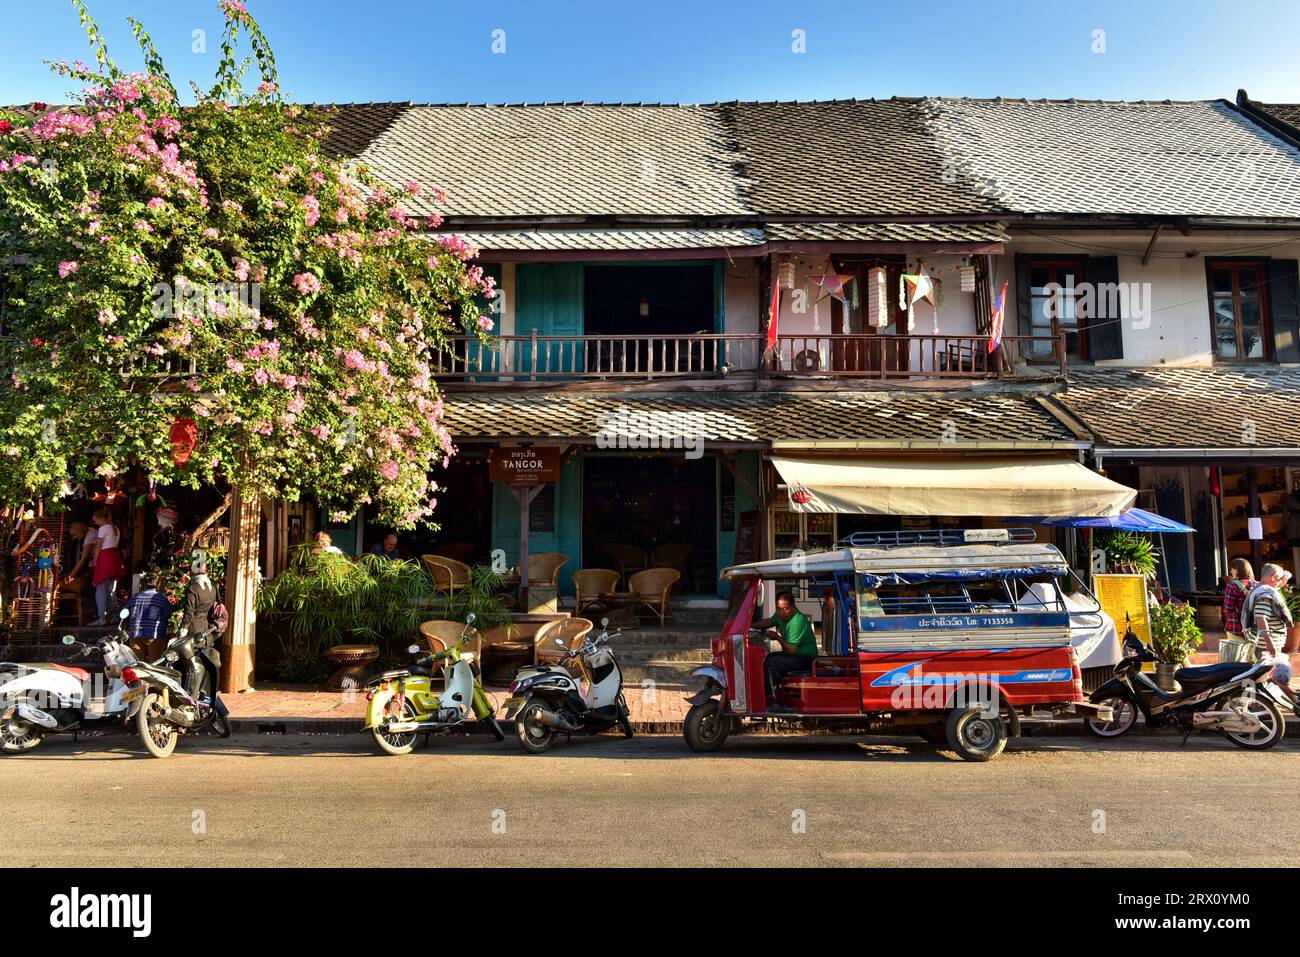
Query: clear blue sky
[(697, 50)]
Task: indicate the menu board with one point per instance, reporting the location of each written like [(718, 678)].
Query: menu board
[(747, 538), (1125, 594)]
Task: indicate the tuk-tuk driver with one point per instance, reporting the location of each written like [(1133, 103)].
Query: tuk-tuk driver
[(798, 643)]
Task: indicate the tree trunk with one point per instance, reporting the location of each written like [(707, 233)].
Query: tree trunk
[(241, 589), (213, 517)]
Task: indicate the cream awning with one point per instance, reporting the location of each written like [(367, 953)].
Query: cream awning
[(966, 485)]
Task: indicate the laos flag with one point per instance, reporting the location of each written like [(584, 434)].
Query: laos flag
[(996, 320)]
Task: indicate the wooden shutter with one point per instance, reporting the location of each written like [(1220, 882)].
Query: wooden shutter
[(1284, 308), (1105, 331), (1024, 304)]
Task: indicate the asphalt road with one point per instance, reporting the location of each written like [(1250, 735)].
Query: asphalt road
[(762, 800)]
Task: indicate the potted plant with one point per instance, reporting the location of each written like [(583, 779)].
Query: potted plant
[(1174, 636), (1293, 633), (1131, 554)]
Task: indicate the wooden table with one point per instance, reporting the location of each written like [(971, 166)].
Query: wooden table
[(351, 662)]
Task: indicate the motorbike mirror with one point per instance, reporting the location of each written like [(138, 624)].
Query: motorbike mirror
[(69, 640), (604, 623), (124, 614), (470, 618), (414, 649), (560, 642)]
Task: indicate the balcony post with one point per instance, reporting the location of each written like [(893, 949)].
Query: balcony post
[(532, 366)]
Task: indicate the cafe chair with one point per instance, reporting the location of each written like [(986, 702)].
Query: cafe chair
[(590, 583), (569, 630), (652, 588), (628, 559), (544, 568), (449, 575)]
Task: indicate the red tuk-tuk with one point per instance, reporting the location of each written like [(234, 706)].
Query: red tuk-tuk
[(953, 635)]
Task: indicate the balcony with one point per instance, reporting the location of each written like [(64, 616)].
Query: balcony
[(541, 359)]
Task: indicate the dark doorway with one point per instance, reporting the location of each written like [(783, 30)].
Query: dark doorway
[(464, 513), (656, 303), (650, 502)]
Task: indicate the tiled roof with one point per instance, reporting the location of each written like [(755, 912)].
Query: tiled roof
[(887, 232), (1076, 157), (610, 239), (1286, 112), (946, 420), (1239, 407), (845, 158)]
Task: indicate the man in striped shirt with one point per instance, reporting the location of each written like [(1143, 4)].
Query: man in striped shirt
[(151, 613), (1267, 611)]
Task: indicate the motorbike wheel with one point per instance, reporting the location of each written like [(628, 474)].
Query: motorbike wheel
[(1273, 725), (221, 726), (17, 736), (397, 743), (974, 736), (1126, 714), (706, 726), (624, 722), (534, 736), (158, 737)]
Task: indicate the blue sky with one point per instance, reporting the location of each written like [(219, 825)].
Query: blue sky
[(697, 51)]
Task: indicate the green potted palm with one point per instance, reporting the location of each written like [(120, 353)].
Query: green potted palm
[(1174, 636), (1130, 554)]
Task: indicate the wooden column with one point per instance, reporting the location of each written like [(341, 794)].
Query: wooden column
[(241, 589), (524, 495)]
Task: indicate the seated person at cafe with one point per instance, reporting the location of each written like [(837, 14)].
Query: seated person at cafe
[(798, 643)]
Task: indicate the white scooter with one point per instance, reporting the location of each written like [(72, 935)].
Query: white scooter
[(547, 698), (43, 698)]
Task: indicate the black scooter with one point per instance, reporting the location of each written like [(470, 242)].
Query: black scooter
[(1231, 698), (178, 693)]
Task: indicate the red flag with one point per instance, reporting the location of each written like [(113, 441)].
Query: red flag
[(995, 322), (773, 312)]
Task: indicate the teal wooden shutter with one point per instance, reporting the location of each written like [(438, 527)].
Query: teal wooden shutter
[(548, 301)]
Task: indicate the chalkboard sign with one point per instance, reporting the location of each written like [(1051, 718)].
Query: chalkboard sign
[(541, 511), (747, 538), (727, 505)]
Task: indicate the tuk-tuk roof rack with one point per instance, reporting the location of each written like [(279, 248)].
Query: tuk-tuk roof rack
[(939, 536)]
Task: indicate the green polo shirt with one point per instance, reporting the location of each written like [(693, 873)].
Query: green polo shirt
[(798, 631)]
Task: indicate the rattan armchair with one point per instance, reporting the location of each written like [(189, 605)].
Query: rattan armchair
[(449, 575), (628, 558), (440, 634), (590, 583), (653, 587), (569, 630), (544, 568)]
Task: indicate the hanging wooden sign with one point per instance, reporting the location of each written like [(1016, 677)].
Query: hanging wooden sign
[(519, 465)]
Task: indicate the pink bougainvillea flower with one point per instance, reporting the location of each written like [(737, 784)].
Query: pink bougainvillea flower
[(389, 470), (306, 283), (485, 323), (6, 127), (106, 316), (67, 268)]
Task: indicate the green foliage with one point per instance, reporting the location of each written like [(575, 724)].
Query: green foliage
[(1133, 551), (214, 264), (1174, 634), (478, 598)]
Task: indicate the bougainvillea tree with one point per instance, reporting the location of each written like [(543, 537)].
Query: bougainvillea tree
[(202, 292)]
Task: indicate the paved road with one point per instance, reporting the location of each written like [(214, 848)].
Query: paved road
[(267, 800)]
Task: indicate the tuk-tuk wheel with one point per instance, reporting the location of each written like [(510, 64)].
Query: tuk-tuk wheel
[(706, 726), (975, 736)]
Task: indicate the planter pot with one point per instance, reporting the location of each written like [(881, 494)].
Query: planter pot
[(1165, 676), (1236, 649), (1292, 640), (1209, 616)]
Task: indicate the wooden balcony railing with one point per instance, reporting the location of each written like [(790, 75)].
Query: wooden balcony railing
[(539, 358)]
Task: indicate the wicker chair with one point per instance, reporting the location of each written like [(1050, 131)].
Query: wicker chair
[(628, 558), (671, 556), (590, 583), (449, 575), (652, 588), (569, 630), (544, 568), (440, 634)]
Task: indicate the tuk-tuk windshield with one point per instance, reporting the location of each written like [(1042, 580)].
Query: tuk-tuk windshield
[(878, 599)]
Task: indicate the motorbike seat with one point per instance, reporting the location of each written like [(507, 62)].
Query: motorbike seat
[(396, 673), (1201, 675), (81, 674)]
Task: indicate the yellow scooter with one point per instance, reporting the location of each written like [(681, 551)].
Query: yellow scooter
[(402, 704)]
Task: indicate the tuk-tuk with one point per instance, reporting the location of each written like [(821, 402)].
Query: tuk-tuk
[(954, 635)]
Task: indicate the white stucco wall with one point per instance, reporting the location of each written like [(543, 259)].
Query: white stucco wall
[(1172, 285)]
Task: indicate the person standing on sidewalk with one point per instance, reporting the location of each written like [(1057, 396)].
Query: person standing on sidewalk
[(1241, 582), (1267, 615)]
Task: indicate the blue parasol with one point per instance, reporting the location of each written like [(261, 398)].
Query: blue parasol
[(1134, 520)]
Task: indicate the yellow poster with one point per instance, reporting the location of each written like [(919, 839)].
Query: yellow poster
[(1122, 595)]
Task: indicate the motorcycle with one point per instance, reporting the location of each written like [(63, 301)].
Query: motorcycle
[(178, 694), (1232, 698), (37, 699), (547, 698), (401, 704)]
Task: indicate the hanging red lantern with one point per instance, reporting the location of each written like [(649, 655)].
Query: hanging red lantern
[(801, 496), (184, 435)]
